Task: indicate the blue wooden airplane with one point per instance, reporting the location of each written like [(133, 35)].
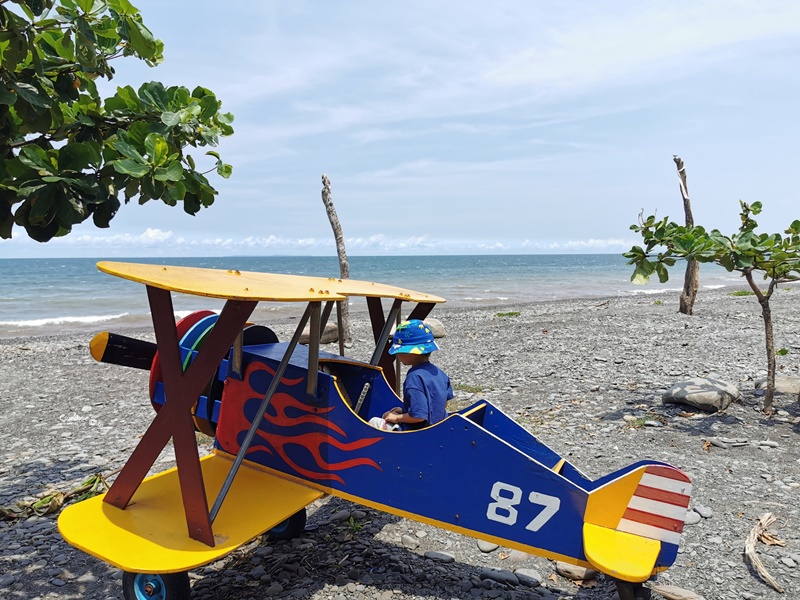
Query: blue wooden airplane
[(290, 424)]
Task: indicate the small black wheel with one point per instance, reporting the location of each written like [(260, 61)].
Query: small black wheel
[(290, 528), (631, 591), (164, 586)]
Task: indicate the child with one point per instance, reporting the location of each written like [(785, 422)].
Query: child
[(426, 389)]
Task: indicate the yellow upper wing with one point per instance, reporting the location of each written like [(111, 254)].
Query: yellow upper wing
[(249, 285)]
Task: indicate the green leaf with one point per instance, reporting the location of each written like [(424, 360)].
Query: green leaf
[(209, 106), (85, 5), (123, 7), (154, 94), (69, 209), (782, 352), (638, 278), (173, 172), (157, 148), (77, 156), (726, 261), (224, 170), (170, 119), (30, 93), (125, 98), (6, 95), (105, 211), (42, 205), (177, 191), (36, 158), (141, 38), (129, 151), (661, 270), (129, 166)]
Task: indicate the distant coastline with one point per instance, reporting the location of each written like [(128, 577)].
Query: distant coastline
[(51, 296)]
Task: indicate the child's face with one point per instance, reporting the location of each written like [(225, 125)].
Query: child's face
[(410, 360)]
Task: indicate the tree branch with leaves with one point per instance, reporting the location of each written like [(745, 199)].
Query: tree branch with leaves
[(757, 256), (65, 153)]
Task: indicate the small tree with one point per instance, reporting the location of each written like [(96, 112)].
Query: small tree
[(65, 153), (344, 265), (774, 257), (691, 279)]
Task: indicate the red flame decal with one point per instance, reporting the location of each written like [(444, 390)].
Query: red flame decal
[(313, 443), (293, 424)]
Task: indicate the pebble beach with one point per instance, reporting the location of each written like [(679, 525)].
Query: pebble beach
[(586, 376)]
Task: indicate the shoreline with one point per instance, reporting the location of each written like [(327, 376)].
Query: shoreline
[(570, 371), (58, 326)]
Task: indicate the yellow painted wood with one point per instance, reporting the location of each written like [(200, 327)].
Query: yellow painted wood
[(150, 535), (97, 347), (249, 285), (619, 554), (608, 503)]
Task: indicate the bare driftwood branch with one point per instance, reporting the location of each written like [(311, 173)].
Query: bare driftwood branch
[(759, 531), (690, 279), (344, 267)]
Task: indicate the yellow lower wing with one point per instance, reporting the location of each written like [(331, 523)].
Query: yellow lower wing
[(619, 554), (150, 535)]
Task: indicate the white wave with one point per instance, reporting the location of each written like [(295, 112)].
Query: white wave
[(714, 287), (63, 320), (655, 291)]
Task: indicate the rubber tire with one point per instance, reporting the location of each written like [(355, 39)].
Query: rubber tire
[(632, 591), (173, 586), (291, 528)]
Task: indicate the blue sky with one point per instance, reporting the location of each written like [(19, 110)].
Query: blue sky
[(461, 128)]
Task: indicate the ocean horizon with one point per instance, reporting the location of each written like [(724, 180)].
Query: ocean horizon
[(47, 296)]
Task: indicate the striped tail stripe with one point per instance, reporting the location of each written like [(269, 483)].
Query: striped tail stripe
[(657, 509)]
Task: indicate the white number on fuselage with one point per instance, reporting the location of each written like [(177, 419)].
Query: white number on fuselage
[(507, 497)]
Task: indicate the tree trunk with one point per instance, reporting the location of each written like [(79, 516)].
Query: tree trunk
[(766, 313), (344, 267), (690, 279)]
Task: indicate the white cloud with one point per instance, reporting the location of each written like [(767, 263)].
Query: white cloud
[(644, 40)]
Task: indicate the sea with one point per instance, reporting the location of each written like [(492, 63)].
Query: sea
[(48, 296)]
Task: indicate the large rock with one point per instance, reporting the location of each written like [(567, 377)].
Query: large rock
[(574, 572), (783, 385), (704, 393), (329, 335), (436, 327), (672, 592)]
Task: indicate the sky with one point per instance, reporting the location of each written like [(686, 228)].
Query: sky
[(469, 128)]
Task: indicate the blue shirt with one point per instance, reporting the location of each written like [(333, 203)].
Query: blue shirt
[(426, 391)]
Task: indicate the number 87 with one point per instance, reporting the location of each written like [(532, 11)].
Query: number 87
[(503, 509)]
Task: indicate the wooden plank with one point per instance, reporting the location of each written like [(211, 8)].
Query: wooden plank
[(149, 536), (249, 285)]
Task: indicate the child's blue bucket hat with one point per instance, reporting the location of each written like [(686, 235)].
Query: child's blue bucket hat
[(413, 337)]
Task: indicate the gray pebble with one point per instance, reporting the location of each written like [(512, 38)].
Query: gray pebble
[(529, 577), (444, 557), (499, 575), (703, 511), (692, 518)]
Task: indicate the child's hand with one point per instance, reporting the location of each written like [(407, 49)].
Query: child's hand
[(395, 411)]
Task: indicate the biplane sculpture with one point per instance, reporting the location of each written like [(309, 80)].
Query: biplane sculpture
[(290, 424)]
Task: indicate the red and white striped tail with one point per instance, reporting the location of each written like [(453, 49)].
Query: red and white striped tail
[(657, 509)]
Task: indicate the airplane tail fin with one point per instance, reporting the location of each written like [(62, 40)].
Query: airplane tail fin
[(634, 521)]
